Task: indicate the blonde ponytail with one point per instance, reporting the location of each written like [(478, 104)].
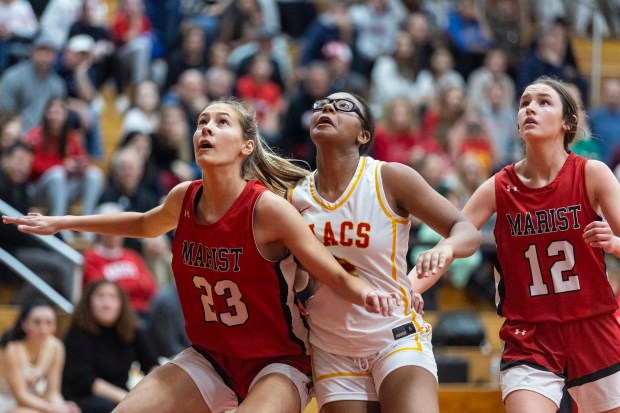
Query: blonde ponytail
[(277, 173)]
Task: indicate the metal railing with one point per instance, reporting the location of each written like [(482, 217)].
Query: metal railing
[(29, 276)]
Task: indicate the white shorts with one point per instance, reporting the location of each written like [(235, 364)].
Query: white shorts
[(595, 396), (339, 377), (218, 396), (7, 402)]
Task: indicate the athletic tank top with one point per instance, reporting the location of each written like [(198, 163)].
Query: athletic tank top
[(235, 302), (546, 271), (370, 241)]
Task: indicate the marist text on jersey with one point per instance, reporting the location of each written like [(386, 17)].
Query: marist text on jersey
[(544, 221), (220, 259)]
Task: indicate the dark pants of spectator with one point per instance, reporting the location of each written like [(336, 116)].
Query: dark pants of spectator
[(95, 404)]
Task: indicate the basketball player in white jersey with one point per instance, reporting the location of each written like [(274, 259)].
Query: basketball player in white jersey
[(359, 208)]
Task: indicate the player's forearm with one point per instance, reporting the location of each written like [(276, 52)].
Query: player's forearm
[(126, 224), (464, 239), (352, 289)]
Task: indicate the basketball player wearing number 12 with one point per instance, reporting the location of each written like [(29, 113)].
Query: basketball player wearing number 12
[(552, 283)]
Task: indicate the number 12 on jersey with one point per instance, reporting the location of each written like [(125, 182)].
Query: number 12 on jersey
[(561, 283)]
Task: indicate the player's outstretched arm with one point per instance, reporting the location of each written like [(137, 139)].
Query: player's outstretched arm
[(155, 222)]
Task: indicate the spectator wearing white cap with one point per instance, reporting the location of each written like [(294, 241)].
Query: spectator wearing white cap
[(75, 66)]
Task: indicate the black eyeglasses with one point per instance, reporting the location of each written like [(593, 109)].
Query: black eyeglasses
[(341, 105)]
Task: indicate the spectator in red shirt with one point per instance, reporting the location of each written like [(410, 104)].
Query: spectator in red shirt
[(132, 32), (109, 259), (264, 95), (61, 170)]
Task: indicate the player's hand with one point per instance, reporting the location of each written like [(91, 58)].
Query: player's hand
[(598, 234), (381, 303), (417, 303), (34, 223), (434, 261)]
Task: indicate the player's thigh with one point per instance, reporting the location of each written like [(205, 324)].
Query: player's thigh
[(278, 388), (273, 393), (409, 389), (351, 406), (167, 389), (527, 401)]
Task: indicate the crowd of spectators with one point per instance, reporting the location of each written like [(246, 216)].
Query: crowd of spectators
[(442, 78)]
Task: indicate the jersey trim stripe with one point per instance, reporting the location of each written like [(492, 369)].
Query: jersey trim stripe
[(395, 221), (380, 197), (286, 310), (358, 175), (289, 195), (341, 374)]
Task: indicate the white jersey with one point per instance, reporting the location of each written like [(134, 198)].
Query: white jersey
[(370, 241)]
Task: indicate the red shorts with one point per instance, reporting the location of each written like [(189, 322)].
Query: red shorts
[(239, 373), (580, 351)]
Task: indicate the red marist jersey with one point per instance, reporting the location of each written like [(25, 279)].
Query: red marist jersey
[(235, 302), (546, 270)]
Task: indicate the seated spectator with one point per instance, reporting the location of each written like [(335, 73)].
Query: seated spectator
[(50, 266), (143, 114), (605, 118), (500, 117), (376, 25), (132, 33), (219, 55), (339, 58), (141, 143), (105, 61), (220, 83), (509, 27), (295, 130), (471, 36), (395, 75), (397, 134), (440, 119), (158, 257), (425, 38), (32, 359), (493, 70), (470, 135), (108, 259), (173, 151), (11, 129), (190, 55), (103, 340), (432, 82), (332, 24), (126, 187), (167, 326), (239, 22), (29, 85), (75, 66), (189, 94), (18, 26), (57, 19), (263, 95), (270, 44), (551, 55), (62, 172)]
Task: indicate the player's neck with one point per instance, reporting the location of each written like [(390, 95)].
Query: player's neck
[(334, 175)]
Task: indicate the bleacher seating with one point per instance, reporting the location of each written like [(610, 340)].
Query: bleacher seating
[(610, 59)]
